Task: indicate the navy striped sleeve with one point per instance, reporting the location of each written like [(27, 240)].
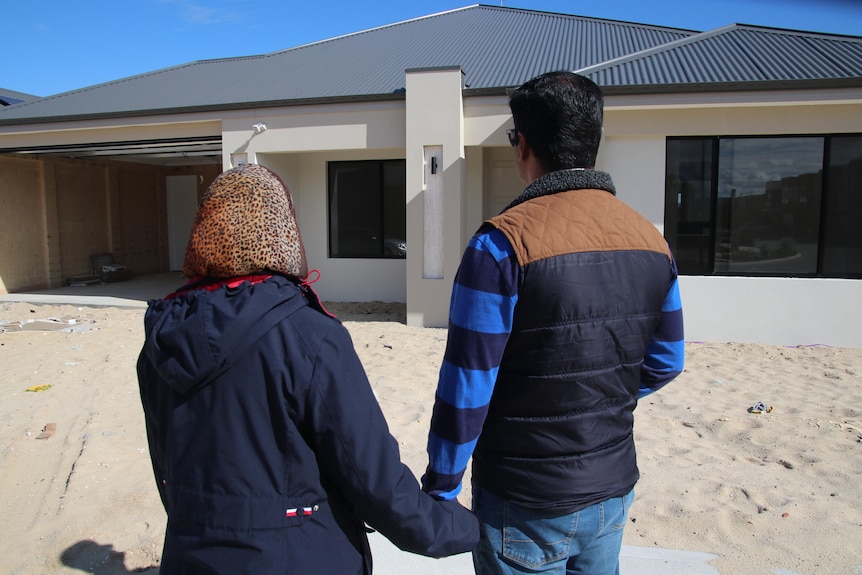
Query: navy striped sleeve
[(665, 356), (483, 301)]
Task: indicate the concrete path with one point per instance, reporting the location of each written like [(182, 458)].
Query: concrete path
[(389, 560)]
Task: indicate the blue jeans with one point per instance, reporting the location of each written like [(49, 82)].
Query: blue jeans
[(516, 539)]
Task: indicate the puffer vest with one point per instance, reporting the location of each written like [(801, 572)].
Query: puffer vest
[(593, 277)]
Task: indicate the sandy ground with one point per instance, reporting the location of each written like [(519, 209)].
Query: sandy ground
[(772, 492)]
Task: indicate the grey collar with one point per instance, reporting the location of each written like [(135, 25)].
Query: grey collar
[(563, 181)]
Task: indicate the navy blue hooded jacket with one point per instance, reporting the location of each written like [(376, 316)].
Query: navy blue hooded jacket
[(269, 449)]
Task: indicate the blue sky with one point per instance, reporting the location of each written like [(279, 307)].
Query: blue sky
[(52, 46)]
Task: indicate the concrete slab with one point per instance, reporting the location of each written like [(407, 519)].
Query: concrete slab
[(133, 293), (389, 560), (657, 561)]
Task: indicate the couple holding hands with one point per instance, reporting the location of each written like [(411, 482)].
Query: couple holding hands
[(270, 452)]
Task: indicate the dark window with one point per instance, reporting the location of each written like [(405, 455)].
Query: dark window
[(765, 206), (688, 203), (367, 209), (842, 223)]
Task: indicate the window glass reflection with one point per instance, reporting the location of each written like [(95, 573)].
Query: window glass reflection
[(768, 207), (842, 251)]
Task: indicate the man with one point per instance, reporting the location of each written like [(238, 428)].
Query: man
[(564, 312)]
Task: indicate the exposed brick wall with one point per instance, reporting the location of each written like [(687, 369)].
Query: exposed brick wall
[(137, 238), (82, 214), (23, 257), (55, 213)]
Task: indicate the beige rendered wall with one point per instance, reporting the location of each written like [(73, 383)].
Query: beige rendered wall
[(782, 311), (334, 127), (434, 117), (110, 130), (297, 144), (341, 279)]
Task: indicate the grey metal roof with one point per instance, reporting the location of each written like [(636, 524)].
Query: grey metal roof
[(10, 97), (738, 54), (496, 47)]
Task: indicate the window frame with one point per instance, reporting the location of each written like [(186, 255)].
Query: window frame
[(377, 232), (672, 216)]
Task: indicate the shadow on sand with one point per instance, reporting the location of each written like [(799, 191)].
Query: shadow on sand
[(91, 557)]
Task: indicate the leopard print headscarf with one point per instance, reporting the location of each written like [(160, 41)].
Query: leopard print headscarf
[(245, 224)]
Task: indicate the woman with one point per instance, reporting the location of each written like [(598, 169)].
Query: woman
[(269, 449)]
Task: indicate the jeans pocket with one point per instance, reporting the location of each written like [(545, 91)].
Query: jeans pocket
[(621, 509), (532, 539)]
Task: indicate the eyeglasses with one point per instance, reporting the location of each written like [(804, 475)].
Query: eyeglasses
[(513, 136)]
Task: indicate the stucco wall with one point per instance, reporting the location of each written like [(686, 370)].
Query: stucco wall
[(434, 125), (782, 311), (774, 311), (297, 144), (341, 279), (299, 141), (632, 162)]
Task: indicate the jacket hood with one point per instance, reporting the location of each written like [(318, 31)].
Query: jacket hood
[(193, 337)]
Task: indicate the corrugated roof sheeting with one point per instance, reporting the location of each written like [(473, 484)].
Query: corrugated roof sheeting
[(738, 54), (496, 48), (8, 97)]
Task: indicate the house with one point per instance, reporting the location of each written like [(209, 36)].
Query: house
[(742, 144)]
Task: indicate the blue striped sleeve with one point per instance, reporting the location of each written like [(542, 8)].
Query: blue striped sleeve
[(665, 356), (483, 301)]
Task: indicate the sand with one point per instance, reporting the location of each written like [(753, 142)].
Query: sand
[(771, 492)]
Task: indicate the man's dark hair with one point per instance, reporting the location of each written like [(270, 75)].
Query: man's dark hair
[(560, 115)]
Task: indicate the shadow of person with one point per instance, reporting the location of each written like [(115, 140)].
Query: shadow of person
[(97, 559)]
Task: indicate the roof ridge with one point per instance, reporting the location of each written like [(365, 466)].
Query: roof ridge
[(234, 58), (657, 49), (375, 29), (593, 18), (474, 7), (795, 32), (664, 48), (209, 84)]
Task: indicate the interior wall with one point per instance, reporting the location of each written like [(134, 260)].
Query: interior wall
[(23, 259), (82, 215), (137, 242)]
